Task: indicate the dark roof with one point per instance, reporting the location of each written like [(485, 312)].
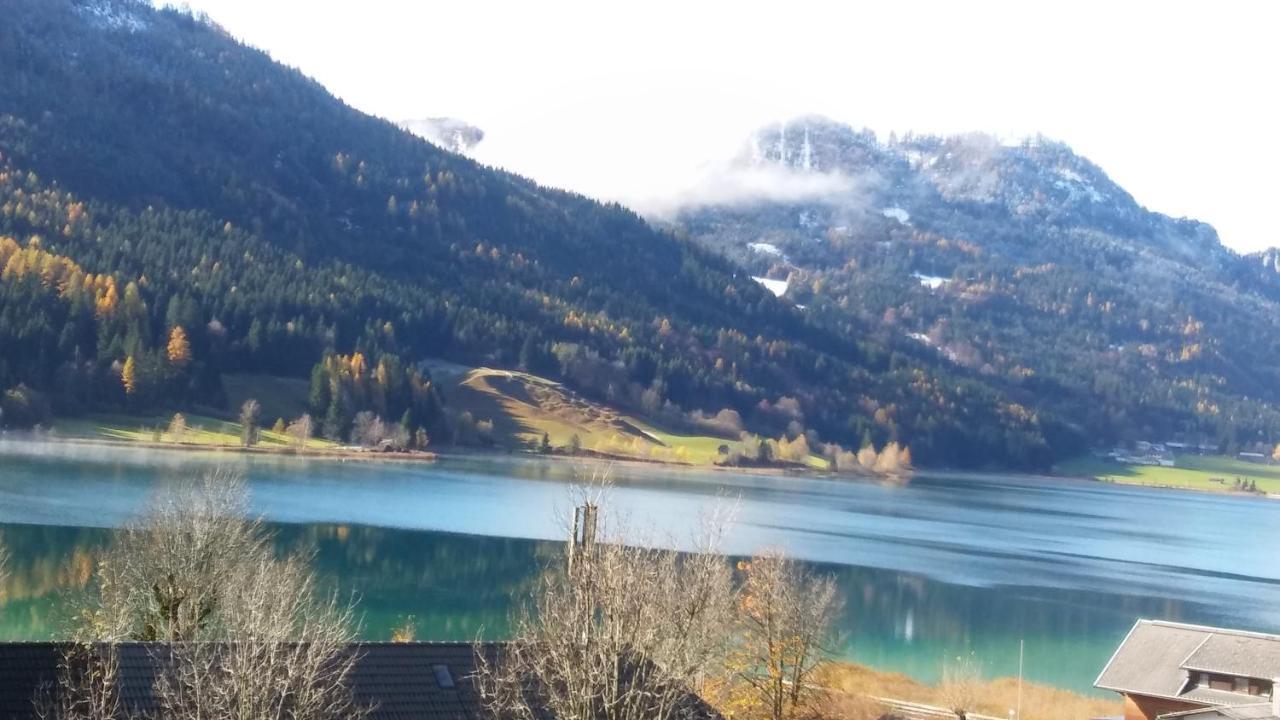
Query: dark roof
[(1157, 658), (400, 681)]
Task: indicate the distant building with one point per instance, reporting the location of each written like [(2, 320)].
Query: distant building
[(1173, 671)]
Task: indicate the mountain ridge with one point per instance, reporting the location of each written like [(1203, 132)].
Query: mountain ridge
[(234, 217), (967, 221)]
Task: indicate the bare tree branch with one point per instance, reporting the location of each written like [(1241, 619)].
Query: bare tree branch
[(241, 632)]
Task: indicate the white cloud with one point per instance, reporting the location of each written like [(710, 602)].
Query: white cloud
[(730, 186)]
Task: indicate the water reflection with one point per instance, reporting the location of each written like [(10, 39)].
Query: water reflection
[(459, 587), (933, 568)]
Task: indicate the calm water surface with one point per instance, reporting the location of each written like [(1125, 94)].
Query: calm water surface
[(930, 570)]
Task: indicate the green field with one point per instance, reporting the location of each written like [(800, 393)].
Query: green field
[(200, 431), (1195, 472), (522, 407)]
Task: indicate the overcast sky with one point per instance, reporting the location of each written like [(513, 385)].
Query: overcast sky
[(1178, 102)]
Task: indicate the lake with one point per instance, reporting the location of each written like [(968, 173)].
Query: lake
[(932, 568)]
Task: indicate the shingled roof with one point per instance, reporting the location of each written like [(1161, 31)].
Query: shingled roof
[(1157, 658), (1257, 711), (400, 681)]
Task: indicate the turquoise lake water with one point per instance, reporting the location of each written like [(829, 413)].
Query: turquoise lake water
[(930, 569)]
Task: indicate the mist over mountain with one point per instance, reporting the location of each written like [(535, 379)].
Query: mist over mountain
[(1025, 263)]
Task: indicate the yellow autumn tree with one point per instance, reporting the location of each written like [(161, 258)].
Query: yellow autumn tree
[(785, 627), (129, 376), (108, 298), (179, 348)]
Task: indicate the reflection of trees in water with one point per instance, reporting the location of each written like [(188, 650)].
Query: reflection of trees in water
[(46, 563), (45, 560), (912, 623), (453, 586), (882, 599)]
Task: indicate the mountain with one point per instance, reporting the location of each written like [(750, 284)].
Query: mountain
[(176, 207), (449, 133), (1268, 259), (1023, 263)]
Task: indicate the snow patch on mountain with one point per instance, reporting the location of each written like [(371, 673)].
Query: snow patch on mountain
[(1077, 185), (113, 15), (777, 287), (449, 133), (766, 248), (897, 213), (933, 282)]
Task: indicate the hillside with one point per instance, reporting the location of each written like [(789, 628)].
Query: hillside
[(523, 408), (1025, 264), (178, 208)]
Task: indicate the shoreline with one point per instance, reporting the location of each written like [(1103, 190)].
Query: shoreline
[(344, 454), (366, 455), (340, 454), (1224, 492)]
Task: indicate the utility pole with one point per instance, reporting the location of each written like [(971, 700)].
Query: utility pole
[(1021, 646)]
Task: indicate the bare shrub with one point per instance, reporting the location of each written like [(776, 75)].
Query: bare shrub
[(961, 687), (244, 633), (178, 427), (249, 414), (300, 430), (622, 632)]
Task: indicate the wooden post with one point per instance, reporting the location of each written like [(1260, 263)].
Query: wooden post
[(583, 543)]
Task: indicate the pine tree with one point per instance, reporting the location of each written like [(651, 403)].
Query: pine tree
[(129, 376), (179, 348)]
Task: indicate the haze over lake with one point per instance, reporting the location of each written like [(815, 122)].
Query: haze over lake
[(933, 568)]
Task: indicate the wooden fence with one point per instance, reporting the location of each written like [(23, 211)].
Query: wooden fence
[(920, 711)]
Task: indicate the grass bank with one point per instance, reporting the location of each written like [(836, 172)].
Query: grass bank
[(524, 407), (520, 408), (1210, 473), (200, 431), (206, 433), (998, 698)]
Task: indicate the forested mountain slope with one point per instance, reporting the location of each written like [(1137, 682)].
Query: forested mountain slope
[(1025, 264), (177, 206)]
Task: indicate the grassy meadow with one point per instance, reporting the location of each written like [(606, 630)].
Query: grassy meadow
[(523, 407), (200, 431), (1193, 472)]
